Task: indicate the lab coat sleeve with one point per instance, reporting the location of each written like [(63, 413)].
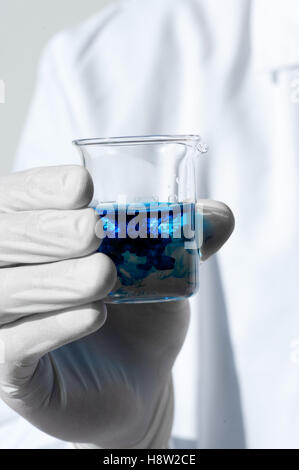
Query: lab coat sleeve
[(48, 132)]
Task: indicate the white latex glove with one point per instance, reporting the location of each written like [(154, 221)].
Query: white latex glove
[(61, 368)]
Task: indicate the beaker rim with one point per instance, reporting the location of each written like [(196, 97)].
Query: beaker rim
[(191, 139)]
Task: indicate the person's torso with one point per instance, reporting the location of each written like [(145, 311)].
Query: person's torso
[(219, 69)]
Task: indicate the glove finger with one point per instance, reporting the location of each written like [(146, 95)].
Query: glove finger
[(57, 187), (24, 342), (29, 290), (45, 236), (218, 225)]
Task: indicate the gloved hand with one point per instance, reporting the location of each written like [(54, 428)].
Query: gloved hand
[(63, 367)]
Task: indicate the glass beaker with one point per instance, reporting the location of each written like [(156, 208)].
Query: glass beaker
[(145, 193)]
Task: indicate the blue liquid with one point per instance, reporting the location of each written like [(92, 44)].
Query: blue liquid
[(157, 265)]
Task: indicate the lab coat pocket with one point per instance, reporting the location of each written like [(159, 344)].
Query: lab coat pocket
[(275, 35), (275, 61)]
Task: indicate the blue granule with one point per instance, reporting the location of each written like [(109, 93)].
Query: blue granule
[(141, 261)]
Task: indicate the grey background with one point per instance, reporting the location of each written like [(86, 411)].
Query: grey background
[(25, 27)]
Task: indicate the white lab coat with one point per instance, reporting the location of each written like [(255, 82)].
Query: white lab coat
[(228, 70)]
